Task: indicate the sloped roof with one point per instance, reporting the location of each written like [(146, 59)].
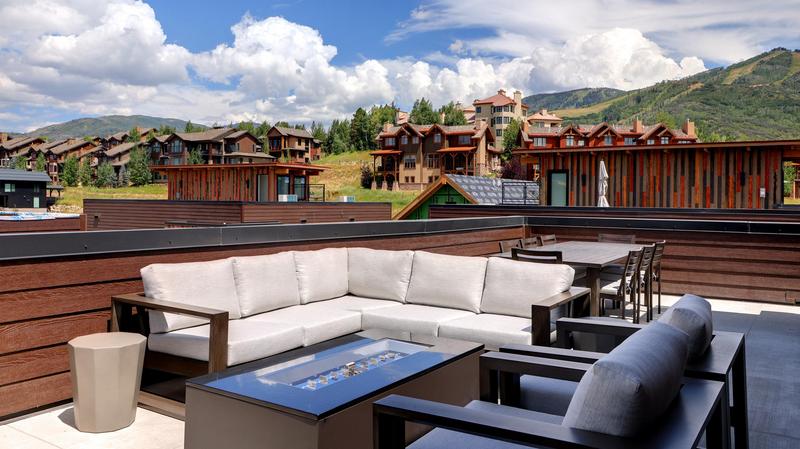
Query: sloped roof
[(18, 142), (121, 148), (52, 144), (496, 100), (69, 146), (544, 115), (209, 135), (294, 132), (8, 174)]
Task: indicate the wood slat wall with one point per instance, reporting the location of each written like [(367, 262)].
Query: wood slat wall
[(102, 215), (740, 266), (691, 177), (57, 225), (45, 303)]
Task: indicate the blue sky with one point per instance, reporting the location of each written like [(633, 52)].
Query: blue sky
[(318, 60)]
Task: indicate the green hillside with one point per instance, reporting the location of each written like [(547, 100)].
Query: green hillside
[(755, 99), (104, 126), (571, 99)]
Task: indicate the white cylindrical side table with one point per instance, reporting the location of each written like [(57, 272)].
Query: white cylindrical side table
[(106, 370)]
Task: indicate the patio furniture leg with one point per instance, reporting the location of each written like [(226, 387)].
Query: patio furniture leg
[(593, 282), (718, 430), (388, 431), (739, 409)]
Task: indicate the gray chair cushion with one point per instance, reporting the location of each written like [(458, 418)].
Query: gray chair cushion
[(546, 395), (448, 439), (692, 314), (633, 385)]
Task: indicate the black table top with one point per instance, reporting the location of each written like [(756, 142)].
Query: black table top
[(587, 254), (264, 382)]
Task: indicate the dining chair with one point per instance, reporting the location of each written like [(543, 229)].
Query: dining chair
[(616, 238), (531, 242), (656, 268), (645, 286), (536, 255), (506, 245), (627, 286), (547, 239)]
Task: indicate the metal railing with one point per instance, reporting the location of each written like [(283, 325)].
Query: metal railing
[(520, 192)]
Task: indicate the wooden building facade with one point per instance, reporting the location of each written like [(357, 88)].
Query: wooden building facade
[(703, 175), (238, 182)]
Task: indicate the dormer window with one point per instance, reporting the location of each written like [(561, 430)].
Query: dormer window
[(463, 140), (389, 142), (404, 140), (665, 140), (415, 139), (570, 141), (651, 141), (437, 138), (608, 140)]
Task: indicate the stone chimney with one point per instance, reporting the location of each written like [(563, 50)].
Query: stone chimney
[(688, 128), (441, 117), (543, 111), (3, 137), (501, 92), (518, 102), (638, 127), (386, 126)]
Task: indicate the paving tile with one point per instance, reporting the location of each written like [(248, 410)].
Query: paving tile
[(760, 440), (150, 430), (13, 438)]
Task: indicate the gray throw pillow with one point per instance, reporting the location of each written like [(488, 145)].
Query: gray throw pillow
[(631, 386), (692, 314)]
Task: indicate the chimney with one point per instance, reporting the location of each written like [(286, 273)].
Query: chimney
[(638, 127), (441, 117), (501, 92), (386, 126), (543, 111), (688, 128), (3, 137), (518, 102)]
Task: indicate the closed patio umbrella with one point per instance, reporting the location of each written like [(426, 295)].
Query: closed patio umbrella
[(602, 186)]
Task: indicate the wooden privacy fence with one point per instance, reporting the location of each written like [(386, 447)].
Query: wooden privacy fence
[(714, 255), (57, 286)]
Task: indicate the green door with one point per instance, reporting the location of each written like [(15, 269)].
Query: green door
[(558, 188)]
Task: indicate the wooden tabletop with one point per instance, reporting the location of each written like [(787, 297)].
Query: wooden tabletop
[(587, 254)]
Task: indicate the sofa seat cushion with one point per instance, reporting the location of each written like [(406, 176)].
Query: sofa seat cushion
[(632, 386), (321, 274), (411, 318), (491, 330), (512, 286), (692, 314), (247, 341), (265, 283), (356, 303), (379, 274), (546, 395), (454, 282), (446, 439), (319, 323), (206, 284)]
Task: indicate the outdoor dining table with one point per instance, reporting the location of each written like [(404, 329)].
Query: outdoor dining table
[(594, 256)]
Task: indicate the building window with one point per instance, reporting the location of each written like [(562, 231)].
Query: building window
[(665, 140), (389, 142), (499, 132), (630, 141), (539, 141), (437, 138), (430, 179), (10, 187), (410, 162), (413, 180), (608, 140), (36, 188), (176, 146), (463, 140), (570, 141), (581, 142), (431, 161), (404, 140), (415, 139), (506, 120), (651, 141), (477, 111)]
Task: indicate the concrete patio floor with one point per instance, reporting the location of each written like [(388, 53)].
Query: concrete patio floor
[(773, 361)]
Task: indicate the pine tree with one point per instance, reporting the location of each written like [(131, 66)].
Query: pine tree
[(85, 172), (510, 135), (138, 168), (189, 128), (20, 163), (453, 115), (359, 130), (134, 135), (378, 116), (263, 129), (41, 162), (122, 177), (195, 158), (283, 124), (422, 113), (69, 172), (105, 175)]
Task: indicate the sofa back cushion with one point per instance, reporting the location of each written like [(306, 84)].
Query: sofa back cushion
[(379, 274), (454, 282), (265, 283), (633, 385), (205, 284), (692, 314), (512, 286), (321, 274)]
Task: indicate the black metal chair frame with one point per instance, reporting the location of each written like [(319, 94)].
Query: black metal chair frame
[(656, 270), (629, 274), (536, 255), (696, 410)]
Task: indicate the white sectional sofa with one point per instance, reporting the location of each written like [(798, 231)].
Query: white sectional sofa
[(231, 311)]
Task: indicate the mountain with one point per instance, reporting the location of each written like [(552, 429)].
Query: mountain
[(104, 126), (571, 99), (754, 99)]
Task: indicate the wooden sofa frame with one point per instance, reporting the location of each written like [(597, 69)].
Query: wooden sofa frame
[(724, 361), (123, 318), (694, 411)]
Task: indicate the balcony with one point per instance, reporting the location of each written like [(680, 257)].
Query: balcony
[(746, 263)]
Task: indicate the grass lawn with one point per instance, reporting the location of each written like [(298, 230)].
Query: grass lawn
[(343, 177), (793, 201), (72, 197)]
